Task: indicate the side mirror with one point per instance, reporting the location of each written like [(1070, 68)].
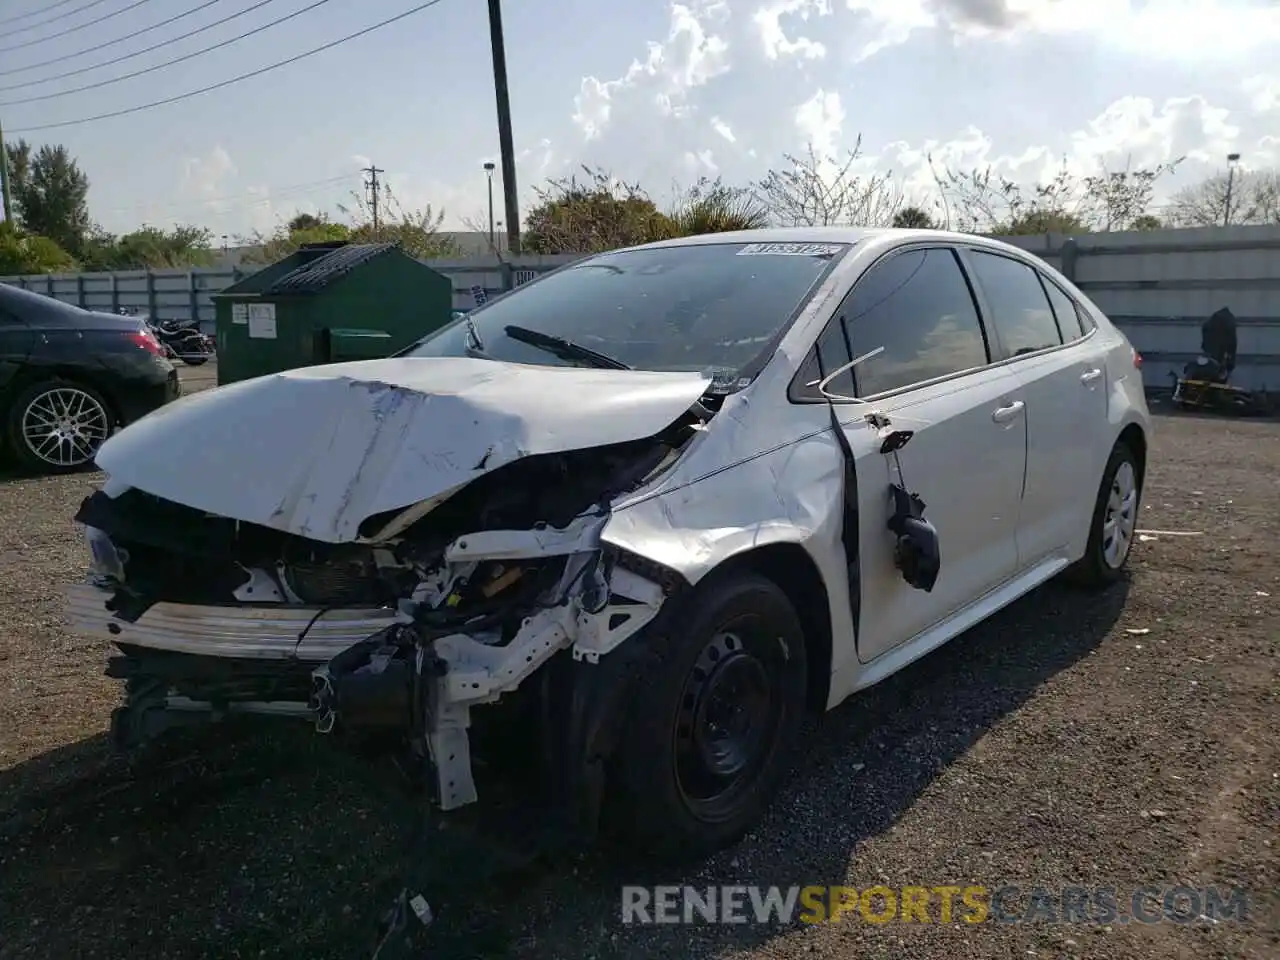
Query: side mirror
[(917, 553)]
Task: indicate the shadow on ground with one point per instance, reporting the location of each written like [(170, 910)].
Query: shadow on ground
[(274, 844)]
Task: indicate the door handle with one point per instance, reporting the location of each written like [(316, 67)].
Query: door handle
[(1008, 413), (1090, 377)]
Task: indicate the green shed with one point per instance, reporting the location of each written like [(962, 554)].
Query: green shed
[(326, 303)]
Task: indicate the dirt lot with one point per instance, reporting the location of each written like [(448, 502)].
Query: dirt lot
[(1120, 741)]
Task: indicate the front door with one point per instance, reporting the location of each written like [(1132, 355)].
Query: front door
[(913, 320), (966, 461)]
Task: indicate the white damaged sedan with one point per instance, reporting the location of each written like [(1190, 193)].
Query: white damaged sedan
[(657, 504)]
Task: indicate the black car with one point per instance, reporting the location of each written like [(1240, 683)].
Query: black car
[(68, 377)]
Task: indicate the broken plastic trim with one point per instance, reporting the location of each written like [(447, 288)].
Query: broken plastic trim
[(413, 677)]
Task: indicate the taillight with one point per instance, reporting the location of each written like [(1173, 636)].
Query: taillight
[(147, 341), (1137, 359)]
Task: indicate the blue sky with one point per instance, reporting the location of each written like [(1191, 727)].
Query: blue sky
[(655, 91)]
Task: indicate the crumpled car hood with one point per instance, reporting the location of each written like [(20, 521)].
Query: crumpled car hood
[(315, 451)]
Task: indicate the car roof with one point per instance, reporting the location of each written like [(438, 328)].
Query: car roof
[(27, 303), (887, 235)]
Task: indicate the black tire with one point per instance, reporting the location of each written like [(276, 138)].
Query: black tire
[(36, 458), (191, 361), (1095, 570), (657, 807)]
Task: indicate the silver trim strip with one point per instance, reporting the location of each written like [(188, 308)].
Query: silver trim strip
[(263, 632)]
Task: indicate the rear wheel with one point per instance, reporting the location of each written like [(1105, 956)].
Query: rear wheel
[(57, 426), (713, 722), (1115, 521)]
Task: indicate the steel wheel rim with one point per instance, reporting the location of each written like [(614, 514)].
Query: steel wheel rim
[(1121, 516), (64, 427), (729, 716)]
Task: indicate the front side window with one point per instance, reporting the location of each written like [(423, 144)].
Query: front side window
[(1017, 303), (717, 308), (918, 307)]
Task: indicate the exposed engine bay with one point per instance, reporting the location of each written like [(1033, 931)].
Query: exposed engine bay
[(434, 609)]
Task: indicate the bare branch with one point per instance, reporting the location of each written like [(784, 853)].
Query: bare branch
[(816, 190)]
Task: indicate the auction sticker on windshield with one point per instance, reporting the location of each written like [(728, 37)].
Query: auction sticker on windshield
[(789, 250)]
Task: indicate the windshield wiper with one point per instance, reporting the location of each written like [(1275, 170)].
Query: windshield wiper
[(564, 348)]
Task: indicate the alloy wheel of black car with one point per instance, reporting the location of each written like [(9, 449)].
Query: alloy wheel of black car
[(713, 720), (57, 426)]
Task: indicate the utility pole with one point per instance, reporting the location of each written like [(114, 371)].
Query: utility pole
[(1232, 160), (372, 185), (499, 51), (4, 181), (488, 168)]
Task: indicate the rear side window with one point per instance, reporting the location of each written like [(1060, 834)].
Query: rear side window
[(1086, 321), (1017, 303), (1064, 308)]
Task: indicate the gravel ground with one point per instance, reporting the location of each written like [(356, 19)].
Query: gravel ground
[(1119, 741)]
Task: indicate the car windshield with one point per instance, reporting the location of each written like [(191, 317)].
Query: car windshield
[(713, 308)]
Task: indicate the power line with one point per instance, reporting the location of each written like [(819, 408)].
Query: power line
[(111, 43), (168, 63), (246, 200), (32, 13), (61, 16), (80, 26), (226, 83)]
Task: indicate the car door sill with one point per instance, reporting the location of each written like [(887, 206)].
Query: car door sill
[(891, 661)]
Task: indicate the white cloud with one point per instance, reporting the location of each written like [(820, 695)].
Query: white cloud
[(768, 23), (820, 121), (690, 57), (700, 162), (1155, 29), (722, 128), (1263, 92), (1132, 132), (205, 177)]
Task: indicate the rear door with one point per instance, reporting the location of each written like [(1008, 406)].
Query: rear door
[(16, 342), (1063, 379), (967, 456)]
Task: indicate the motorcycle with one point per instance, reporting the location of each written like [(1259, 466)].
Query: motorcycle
[(1203, 384), (183, 340)]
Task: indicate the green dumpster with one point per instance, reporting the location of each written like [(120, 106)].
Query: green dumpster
[(327, 303)]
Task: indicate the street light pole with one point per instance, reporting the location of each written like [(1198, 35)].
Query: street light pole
[(488, 168), (1232, 160), (499, 50)]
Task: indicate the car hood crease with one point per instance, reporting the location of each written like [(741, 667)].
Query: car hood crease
[(317, 450)]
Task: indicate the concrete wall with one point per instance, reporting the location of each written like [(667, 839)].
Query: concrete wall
[(1157, 286), (182, 294)]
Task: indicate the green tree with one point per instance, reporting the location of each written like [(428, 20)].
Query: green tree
[(593, 215), (288, 237), (51, 192), (1035, 222), (712, 206), (913, 218), (1147, 222), (416, 231), (21, 252), (18, 158), (307, 221), (149, 248)]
